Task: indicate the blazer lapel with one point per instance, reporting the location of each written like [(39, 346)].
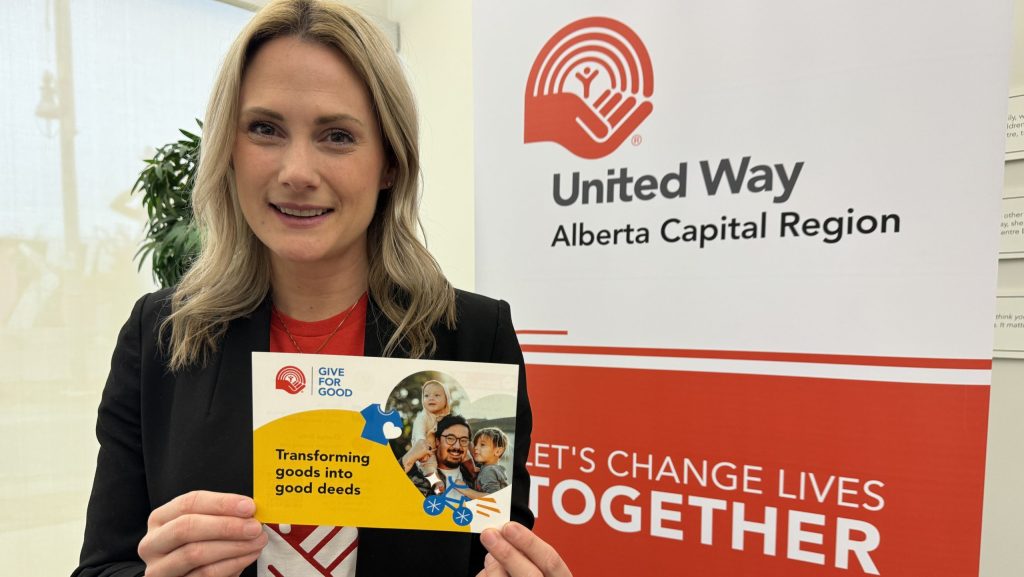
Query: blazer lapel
[(233, 398), (378, 330)]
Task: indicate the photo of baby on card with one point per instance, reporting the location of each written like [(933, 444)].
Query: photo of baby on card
[(452, 448)]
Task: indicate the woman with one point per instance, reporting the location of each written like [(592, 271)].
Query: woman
[(306, 195)]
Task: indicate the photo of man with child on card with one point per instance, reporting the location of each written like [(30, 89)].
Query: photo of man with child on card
[(447, 439)]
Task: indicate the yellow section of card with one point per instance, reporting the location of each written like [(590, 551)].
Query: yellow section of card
[(315, 468)]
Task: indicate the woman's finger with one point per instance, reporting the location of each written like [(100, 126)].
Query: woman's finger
[(203, 503), (521, 552), (501, 552), (492, 568), (225, 568), (193, 528), (536, 549), (217, 557)]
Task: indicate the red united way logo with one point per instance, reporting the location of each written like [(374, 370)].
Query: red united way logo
[(589, 88), (291, 380)]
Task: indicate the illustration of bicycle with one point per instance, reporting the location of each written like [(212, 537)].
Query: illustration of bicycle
[(434, 505)]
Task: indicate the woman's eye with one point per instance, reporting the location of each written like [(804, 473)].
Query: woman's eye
[(262, 129), (339, 137)]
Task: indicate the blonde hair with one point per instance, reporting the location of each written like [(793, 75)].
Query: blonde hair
[(231, 276)]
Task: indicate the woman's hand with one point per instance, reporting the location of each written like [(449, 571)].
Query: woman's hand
[(516, 552), (202, 533)]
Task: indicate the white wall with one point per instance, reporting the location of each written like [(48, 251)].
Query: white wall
[(1001, 551), (437, 48)]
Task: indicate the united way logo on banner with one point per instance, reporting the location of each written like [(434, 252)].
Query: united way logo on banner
[(589, 88)]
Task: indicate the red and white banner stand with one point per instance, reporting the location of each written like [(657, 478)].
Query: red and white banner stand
[(751, 251)]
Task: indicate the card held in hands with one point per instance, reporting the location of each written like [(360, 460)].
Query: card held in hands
[(388, 443)]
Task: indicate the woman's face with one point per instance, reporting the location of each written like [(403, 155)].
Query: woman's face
[(308, 157), (434, 399)]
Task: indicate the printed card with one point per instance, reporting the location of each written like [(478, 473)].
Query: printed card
[(391, 443)]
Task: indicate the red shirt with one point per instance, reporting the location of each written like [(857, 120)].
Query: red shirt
[(311, 335)]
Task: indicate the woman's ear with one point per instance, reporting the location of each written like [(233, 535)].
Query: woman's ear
[(387, 178)]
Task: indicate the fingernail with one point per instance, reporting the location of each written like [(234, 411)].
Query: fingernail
[(252, 528), (489, 538), (246, 507), (512, 529)]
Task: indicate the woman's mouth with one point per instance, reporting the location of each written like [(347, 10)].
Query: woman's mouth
[(301, 214)]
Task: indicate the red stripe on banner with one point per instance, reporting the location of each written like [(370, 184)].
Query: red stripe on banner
[(541, 332), (819, 358), (724, 475)]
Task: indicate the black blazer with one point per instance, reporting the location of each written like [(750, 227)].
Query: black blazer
[(163, 434)]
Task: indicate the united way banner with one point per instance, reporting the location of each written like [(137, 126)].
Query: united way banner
[(751, 251)]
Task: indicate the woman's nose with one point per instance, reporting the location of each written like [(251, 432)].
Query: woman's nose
[(298, 168)]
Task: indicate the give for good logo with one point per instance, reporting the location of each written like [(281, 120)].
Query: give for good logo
[(291, 380), (589, 88)]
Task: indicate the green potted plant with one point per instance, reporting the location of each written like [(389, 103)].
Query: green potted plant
[(172, 238)]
